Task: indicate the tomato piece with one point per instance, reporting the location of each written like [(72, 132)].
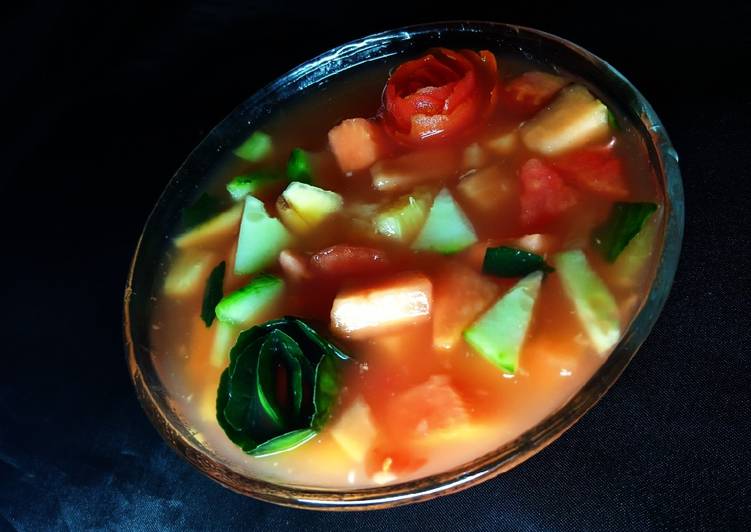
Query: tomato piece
[(596, 169), (427, 407), (343, 260), (545, 196), (531, 91), (385, 462)]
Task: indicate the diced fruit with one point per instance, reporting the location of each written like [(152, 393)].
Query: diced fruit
[(225, 336), (294, 265), (594, 304), (209, 233), (290, 217), (447, 229), (403, 219), (595, 169), (530, 91), (343, 261), (356, 143), (355, 431), (188, 272), (370, 311), (451, 315), (310, 205), (544, 195), (630, 264), (261, 238), (573, 119), (488, 190), (256, 148), (252, 184), (503, 144), (474, 156), (431, 406), (248, 304), (539, 243), (623, 224), (499, 333), (404, 173)]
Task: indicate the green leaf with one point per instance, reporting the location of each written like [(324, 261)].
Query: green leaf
[(624, 223), (258, 146), (252, 184), (613, 121), (506, 261), (204, 208), (325, 391), (271, 390), (285, 442), (213, 293), (299, 166), (238, 437)]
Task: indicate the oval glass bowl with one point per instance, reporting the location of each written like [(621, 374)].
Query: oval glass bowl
[(196, 170)]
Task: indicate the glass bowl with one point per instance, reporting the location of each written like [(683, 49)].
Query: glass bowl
[(536, 45)]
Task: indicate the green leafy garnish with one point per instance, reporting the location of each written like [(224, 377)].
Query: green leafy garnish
[(252, 184), (213, 293), (624, 223), (283, 443), (281, 385), (257, 147), (299, 166), (506, 261), (204, 208), (613, 121)]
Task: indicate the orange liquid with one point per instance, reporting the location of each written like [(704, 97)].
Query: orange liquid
[(556, 359)]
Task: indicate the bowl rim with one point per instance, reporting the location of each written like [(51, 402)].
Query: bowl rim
[(665, 163)]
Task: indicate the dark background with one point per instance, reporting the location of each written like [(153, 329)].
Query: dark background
[(100, 105)]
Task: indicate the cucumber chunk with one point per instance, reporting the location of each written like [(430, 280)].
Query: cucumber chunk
[(499, 334), (261, 238), (594, 304), (447, 229), (246, 305)]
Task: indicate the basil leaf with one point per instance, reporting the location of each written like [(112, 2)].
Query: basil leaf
[(204, 208), (299, 166), (326, 390), (506, 261), (624, 223), (238, 437), (318, 340), (270, 393), (285, 442), (613, 121), (213, 293)]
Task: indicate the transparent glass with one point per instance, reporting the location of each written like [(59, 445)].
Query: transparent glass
[(194, 172)]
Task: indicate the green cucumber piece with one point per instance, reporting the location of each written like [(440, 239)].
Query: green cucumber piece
[(261, 238), (499, 334), (624, 223), (256, 148), (594, 304), (447, 229), (251, 184), (245, 305)]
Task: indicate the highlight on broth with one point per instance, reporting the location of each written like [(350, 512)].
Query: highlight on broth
[(417, 286)]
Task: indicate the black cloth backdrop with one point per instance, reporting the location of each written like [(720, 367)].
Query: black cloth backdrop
[(101, 103)]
